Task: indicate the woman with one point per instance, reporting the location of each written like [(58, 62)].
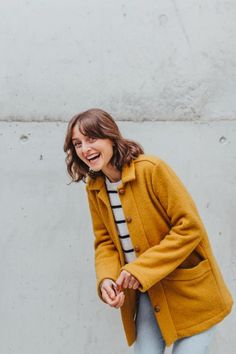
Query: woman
[(152, 255)]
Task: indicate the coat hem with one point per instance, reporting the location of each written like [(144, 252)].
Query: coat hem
[(190, 331)]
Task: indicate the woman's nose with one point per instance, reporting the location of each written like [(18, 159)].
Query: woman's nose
[(85, 147)]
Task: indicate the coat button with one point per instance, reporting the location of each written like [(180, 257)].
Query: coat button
[(157, 308), (128, 219), (122, 191), (136, 248)]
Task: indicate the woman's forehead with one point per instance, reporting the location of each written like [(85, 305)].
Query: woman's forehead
[(76, 132)]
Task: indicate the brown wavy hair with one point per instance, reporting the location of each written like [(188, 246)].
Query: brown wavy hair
[(97, 123)]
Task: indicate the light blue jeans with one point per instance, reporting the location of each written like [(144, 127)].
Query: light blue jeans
[(150, 341)]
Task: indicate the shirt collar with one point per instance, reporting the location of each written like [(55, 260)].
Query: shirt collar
[(127, 175)]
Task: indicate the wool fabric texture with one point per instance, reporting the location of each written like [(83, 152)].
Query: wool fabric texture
[(175, 263)]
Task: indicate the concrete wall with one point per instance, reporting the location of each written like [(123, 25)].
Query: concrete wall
[(154, 60), (170, 62), (48, 297)]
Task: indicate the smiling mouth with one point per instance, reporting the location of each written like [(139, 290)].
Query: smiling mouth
[(93, 158)]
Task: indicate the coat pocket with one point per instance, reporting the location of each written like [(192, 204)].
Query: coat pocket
[(193, 295), (190, 273)]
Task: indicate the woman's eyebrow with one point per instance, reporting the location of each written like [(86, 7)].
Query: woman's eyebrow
[(75, 139)]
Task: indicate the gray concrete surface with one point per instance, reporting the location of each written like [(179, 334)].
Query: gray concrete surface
[(48, 298), (171, 62), (140, 60)]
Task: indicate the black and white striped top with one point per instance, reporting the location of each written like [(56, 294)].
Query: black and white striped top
[(119, 218)]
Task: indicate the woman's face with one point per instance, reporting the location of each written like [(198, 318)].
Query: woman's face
[(95, 152)]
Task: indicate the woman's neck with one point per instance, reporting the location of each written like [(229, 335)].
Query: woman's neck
[(113, 174)]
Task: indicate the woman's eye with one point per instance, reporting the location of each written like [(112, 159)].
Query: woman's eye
[(92, 140), (77, 145)]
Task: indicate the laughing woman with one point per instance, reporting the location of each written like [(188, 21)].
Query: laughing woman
[(153, 258)]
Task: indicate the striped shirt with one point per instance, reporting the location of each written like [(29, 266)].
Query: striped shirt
[(120, 221)]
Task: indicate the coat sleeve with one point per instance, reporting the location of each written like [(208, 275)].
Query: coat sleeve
[(185, 233), (107, 261)]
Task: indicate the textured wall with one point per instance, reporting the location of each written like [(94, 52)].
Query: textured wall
[(48, 297), (154, 60), (168, 61)]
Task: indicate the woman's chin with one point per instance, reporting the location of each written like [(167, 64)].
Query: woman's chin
[(95, 168)]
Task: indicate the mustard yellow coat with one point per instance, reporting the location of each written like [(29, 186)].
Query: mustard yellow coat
[(174, 264)]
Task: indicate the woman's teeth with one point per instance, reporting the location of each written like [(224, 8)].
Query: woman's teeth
[(93, 157)]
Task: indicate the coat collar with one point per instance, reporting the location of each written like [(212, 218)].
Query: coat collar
[(127, 175)]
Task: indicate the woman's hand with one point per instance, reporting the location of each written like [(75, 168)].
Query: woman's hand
[(127, 281), (110, 293)]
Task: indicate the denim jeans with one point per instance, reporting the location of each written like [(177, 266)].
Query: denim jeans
[(149, 338)]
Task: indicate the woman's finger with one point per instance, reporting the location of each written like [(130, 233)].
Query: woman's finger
[(110, 288), (120, 299), (110, 301), (120, 280), (106, 297), (126, 281), (131, 282), (136, 285), (115, 302)]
